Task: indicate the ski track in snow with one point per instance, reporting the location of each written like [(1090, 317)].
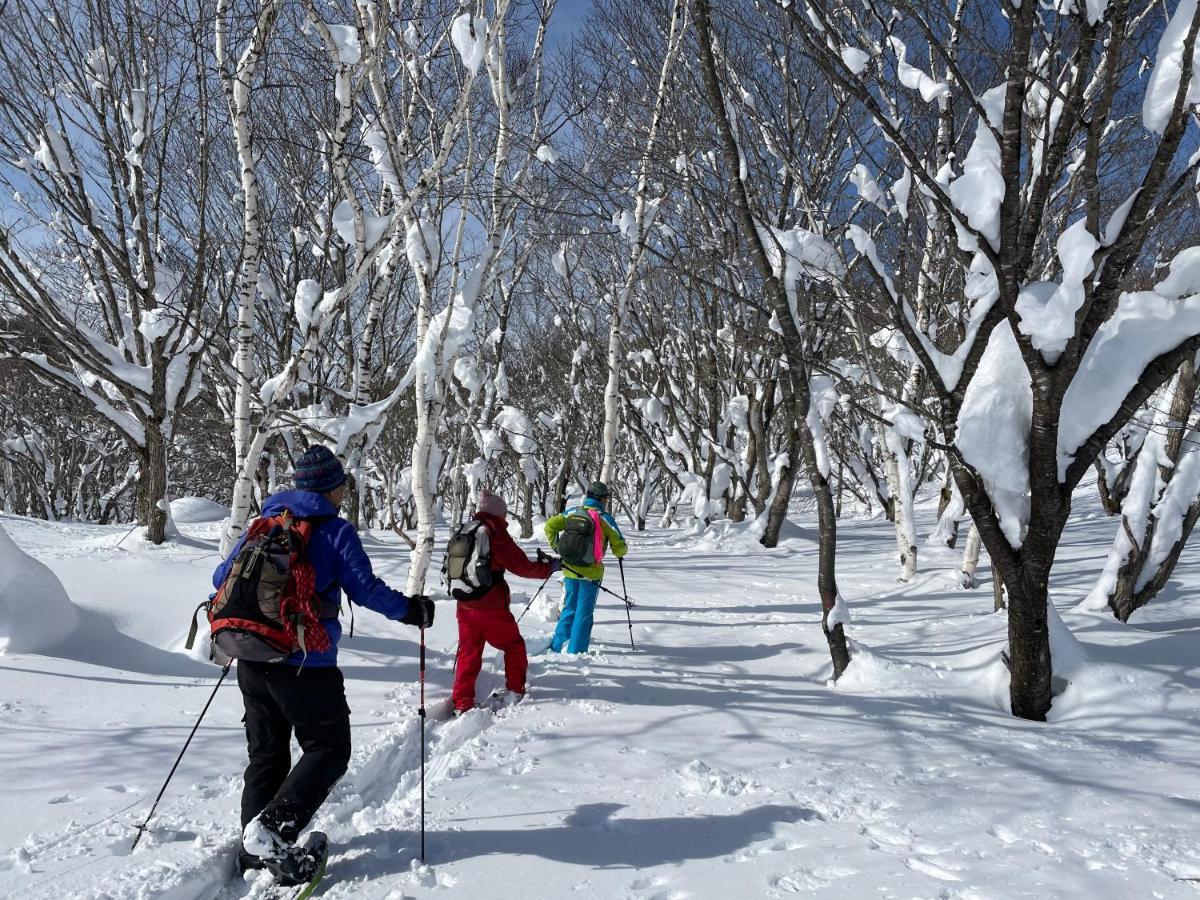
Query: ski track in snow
[(372, 811), (714, 761)]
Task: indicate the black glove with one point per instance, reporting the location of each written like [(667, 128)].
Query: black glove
[(419, 612), (555, 562)]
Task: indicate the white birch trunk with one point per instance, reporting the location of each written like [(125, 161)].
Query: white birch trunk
[(428, 412), (970, 560), (899, 477), (236, 84), (333, 302), (612, 390), (430, 385), (10, 493), (896, 469)]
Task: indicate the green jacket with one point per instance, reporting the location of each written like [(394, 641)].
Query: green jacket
[(612, 538)]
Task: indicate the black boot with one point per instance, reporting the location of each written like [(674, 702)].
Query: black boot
[(248, 861)]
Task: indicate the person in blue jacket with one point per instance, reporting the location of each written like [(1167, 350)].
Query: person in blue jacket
[(306, 694)]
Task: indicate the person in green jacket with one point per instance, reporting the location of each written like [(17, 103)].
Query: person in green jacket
[(582, 582)]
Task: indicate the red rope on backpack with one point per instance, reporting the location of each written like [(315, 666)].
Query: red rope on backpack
[(296, 607)]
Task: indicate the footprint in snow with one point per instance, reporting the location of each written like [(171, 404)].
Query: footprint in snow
[(700, 779), (1003, 834), (594, 707), (1007, 836), (885, 837), (524, 767), (805, 880), (645, 884), (933, 870), (751, 853)]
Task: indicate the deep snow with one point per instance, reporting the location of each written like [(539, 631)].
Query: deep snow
[(714, 761)]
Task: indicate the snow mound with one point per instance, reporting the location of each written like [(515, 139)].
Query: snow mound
[(870, 672), (743, 537), (701, 779), (35, 611), (1089, 690), (193, 510)]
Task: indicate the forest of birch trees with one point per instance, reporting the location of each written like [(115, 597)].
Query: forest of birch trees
[(742, 259)]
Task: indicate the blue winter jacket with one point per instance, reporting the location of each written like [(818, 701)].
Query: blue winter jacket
[(339, 561)]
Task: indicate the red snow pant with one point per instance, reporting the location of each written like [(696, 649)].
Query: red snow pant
[(495, 626)]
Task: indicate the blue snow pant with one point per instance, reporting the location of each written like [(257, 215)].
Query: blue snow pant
[(574, 629)]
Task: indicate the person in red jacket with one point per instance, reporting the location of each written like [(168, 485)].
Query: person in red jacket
[(484, 616)]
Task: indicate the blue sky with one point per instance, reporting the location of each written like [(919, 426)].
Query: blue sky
[(569, 14)]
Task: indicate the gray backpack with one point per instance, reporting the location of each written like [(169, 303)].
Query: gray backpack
[(577, 541), (469, 556)]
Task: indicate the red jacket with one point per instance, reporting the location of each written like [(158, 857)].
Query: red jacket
[(506, 557)]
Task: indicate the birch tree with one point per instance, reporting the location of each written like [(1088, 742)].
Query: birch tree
[(237, 82), (441, 336), (389, 75), (634, 226)]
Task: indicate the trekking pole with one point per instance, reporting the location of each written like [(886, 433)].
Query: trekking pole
[(141, 829), (583, 577), (421, 714), (534, 597), (625, 591)]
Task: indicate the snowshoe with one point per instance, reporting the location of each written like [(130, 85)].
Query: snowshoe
[(503, 699), (300, 864)]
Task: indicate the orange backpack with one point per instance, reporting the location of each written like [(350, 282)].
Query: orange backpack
[(267, 607)]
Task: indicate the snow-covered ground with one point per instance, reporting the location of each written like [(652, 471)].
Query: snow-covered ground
[(713, 761)]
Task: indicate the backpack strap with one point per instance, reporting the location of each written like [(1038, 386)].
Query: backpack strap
[(191, 638), (497, 573), (597, 534)]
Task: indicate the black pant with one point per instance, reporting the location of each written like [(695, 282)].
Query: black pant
[(280, 698)]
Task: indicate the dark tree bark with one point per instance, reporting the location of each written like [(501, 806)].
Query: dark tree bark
[(793, 347), (152, 483), (1095, 62)]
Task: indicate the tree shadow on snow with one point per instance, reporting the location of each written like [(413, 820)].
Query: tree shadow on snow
[(756, 706), (725, 653), (590, 837)]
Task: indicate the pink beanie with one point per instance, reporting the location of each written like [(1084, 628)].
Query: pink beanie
[(492, 504)]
